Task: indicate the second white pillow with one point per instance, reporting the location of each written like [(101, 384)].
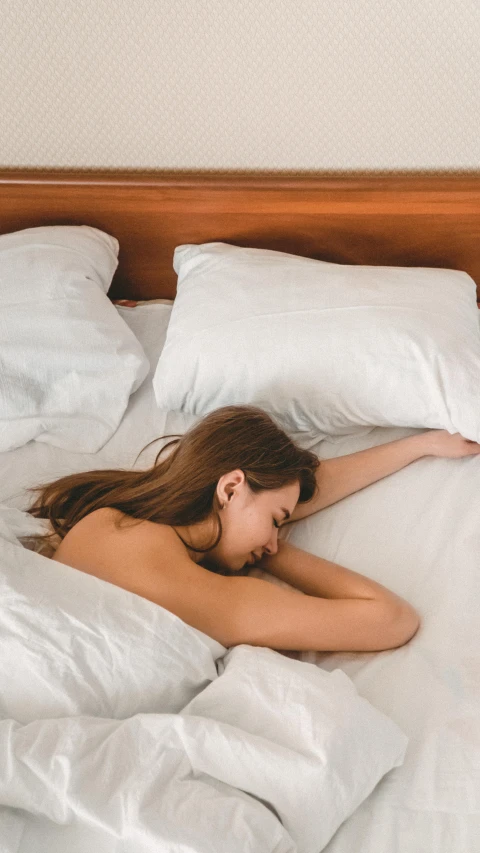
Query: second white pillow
[(324, 348)]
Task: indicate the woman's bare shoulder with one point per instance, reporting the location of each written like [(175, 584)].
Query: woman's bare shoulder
[(107, 518), (111, 520), (99, 539), (145, 558)]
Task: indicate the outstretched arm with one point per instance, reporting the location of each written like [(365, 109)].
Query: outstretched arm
[(340, 477)]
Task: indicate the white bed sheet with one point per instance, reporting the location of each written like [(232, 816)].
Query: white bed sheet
[(417, 532)]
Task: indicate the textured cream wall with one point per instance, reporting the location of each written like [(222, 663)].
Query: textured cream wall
[(317, 85)]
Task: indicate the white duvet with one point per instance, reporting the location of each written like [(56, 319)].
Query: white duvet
[(124, 729)]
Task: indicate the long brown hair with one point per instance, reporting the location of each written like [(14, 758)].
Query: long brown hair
[(181, 489)]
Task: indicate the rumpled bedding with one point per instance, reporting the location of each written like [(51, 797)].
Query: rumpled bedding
[(124, 729)]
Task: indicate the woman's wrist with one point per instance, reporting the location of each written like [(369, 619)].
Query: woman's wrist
[(441, 442)]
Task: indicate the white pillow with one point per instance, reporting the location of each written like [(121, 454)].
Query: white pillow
[(68, 362), (323, 347), (72, 644), (311, 730)]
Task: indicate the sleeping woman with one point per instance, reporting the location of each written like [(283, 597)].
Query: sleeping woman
[(185, 532)]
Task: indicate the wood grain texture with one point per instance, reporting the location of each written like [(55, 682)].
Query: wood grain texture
[(397, 220)]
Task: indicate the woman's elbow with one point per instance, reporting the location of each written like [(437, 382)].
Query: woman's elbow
[(404, 624)]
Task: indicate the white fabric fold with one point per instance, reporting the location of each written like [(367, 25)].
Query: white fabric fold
[(132, 781), (147, 735)]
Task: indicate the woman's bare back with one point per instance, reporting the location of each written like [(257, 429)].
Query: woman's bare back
[(96, 546)]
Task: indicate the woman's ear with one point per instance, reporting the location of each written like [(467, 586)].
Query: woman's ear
[(229, 485)]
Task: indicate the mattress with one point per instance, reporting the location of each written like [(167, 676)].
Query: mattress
[(416, 532)]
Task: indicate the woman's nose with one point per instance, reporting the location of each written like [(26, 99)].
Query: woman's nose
[(272, 545)]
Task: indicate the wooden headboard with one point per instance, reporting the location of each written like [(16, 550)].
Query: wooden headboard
[(403, 220)]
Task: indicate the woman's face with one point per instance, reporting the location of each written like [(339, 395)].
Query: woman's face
[(250, 521)]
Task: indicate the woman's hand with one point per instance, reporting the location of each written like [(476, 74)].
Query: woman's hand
[(442, 443)]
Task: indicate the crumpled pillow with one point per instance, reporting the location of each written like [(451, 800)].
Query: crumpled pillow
[(68, 361)]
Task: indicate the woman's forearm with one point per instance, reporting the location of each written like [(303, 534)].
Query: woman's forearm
[(349, 474), (317, 576), (343, 475)]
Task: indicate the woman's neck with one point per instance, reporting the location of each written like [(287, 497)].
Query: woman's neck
[(195, 536)]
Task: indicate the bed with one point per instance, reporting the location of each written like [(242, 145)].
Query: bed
[(415, 531)]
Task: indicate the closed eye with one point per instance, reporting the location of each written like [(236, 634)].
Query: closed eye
[(275, 523)]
